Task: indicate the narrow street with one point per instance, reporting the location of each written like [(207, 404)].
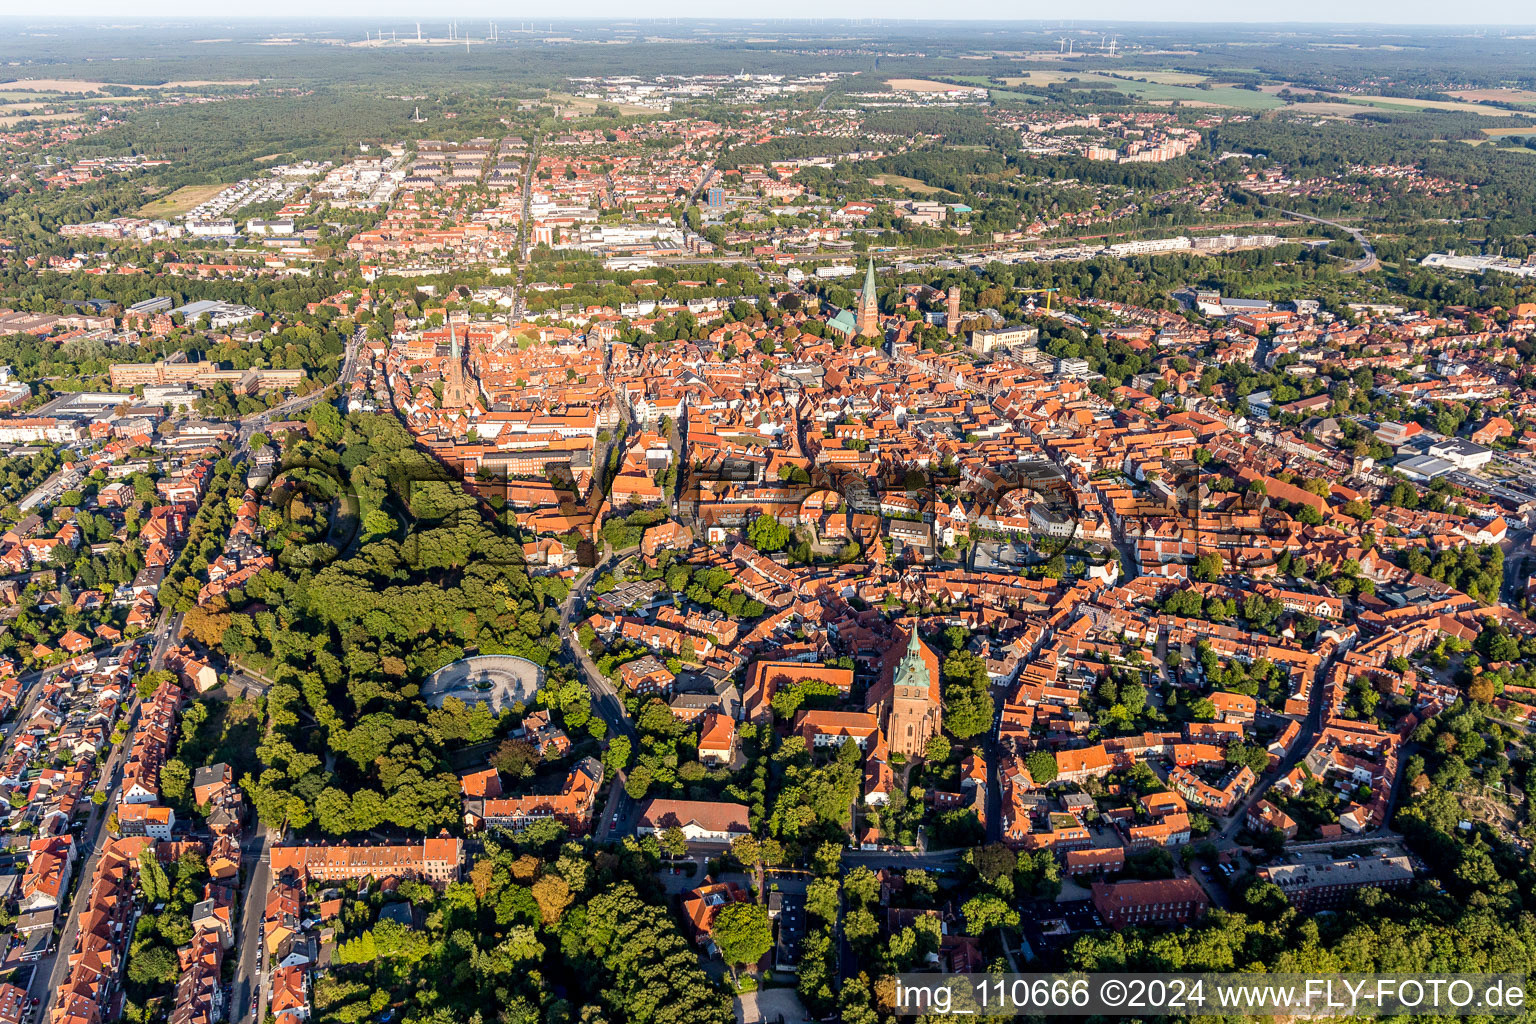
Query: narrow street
[(248, 996), (605, 699), (88, 841)]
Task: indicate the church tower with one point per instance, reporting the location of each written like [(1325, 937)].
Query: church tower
[(456, 393), (952, 310), (914, 714), (869, 307)]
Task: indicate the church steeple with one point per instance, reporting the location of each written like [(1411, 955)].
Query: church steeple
[(911, 709), (456, 391), (869, 306), (911, 670)]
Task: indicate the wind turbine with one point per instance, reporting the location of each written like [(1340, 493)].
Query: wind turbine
[(1062, 47)]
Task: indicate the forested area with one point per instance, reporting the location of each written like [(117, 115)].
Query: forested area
[(347, 636), (1502, 181), (47, 292), (536, 932)]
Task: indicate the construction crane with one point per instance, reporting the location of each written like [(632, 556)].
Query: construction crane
[(1048, 293)]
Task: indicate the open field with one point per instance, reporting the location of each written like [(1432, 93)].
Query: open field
[(1160, 87), (8, 120), (1395, 103), (7, 96), (65, 85), (586, 106), (910, 184), (1497, 95), (1017, 97), (1172, 77), (1338, 109), (1197, 104), (1495, 132), (180, 201), (919, 85), (1391, 102)]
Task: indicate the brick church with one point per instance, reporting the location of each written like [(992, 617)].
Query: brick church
[(906, 698)]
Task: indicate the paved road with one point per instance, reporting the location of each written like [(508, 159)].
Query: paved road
[(899, 860), (1310, 727), (166, 632), (519, 305), (605, 699), (1364, 263), (88, 845), (256, 861), (693, 197), (258, 421), (615, 823)]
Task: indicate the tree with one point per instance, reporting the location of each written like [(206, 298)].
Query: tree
[(767, 534), (553, 895), (175, 777), (937, 750), (152, 965), (516, 758), (333, 810), (616, 757), (1481, 690), (995, 863), (747, 849), (1208, 567), (377, 521), (648, 961), (987, 911), (968, 695), (861, 886), (149, 682), (860, 925), (639, 782), (673, 842), (821, 899), (1041, 765), (742, 933)]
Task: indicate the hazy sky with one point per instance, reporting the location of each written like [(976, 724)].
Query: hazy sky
[(1399, 12)]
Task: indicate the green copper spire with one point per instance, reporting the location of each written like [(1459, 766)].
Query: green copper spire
[(911, 670), (869, 282)]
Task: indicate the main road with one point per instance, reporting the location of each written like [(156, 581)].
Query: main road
[(258, 421), (88, 842), (605, 699), (1359, 266), (247, 995)]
